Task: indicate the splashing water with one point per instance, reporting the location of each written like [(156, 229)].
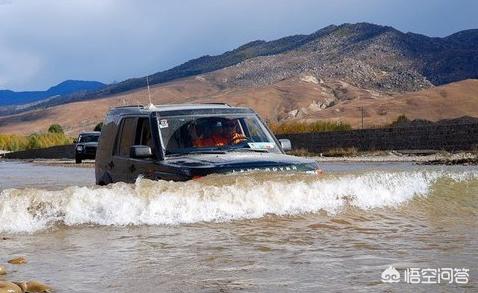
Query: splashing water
[(221, 198)]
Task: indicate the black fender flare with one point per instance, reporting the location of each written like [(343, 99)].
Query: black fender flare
[(105, 179)]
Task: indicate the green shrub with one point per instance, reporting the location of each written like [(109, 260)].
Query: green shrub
[(55, 128)]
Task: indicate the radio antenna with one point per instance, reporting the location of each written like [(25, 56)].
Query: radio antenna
[(149, 91)]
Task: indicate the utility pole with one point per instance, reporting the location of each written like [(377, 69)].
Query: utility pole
[(149, 92), (362, 112)]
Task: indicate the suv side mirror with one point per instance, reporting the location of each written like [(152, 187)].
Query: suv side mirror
[(140, 152), (75, 140), (285, 144)]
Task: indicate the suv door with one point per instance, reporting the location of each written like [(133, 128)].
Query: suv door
[(144, 166), (120, 165)]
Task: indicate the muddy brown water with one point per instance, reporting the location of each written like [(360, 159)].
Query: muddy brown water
[(249, 232)]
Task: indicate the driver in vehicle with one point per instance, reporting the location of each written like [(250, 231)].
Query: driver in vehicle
[(221, 133)]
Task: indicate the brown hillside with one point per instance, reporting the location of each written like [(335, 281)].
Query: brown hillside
[(298, 98), (444, 102)]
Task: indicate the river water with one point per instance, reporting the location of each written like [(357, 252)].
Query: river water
[(249, 232)]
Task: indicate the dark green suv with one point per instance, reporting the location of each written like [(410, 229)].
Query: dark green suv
[(182, 142)]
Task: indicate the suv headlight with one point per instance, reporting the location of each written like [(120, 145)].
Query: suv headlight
[(79, 148)]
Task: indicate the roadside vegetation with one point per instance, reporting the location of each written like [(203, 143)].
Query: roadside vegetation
[(401, 120), (54, 136), (307, 127), (341, 152)]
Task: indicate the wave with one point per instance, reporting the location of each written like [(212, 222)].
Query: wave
[(223, 198)]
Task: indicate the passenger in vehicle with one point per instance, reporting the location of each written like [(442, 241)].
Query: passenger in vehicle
[(220, 133), (231, 133)]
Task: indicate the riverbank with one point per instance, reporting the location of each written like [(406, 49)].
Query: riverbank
[(438, 158)]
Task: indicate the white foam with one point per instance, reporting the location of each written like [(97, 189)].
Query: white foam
[(154, 203)]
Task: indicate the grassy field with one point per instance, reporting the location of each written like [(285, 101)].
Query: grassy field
[(37, 140)]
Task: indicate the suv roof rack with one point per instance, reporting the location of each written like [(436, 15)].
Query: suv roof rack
[(128, 106), (166, 105), (142, 109), (225, 104)]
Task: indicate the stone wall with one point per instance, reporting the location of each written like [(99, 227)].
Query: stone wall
[(55, 152), (433, 137)]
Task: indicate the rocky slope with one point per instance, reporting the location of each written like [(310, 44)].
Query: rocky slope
[(367, 56)]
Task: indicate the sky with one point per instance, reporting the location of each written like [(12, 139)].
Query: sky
[(44, 42)]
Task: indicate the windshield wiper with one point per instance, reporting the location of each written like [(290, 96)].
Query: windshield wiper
[(243, 149), (252, 150), (175, 154), (208, 152)]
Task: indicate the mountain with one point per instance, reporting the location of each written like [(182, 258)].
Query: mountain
[(331, 74), (370, 57), (365, 55), (8, 97)]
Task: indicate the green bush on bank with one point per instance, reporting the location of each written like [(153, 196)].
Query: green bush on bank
[(12, 142), (55, 128), (307, 127)]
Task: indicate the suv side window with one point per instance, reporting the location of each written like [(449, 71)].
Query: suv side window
[(126, 137), (143, 133)]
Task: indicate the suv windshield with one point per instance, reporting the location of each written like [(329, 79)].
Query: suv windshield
[(88, 138), (188, 134)]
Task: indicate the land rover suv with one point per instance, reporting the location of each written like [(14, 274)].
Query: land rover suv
[(183, 142)]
